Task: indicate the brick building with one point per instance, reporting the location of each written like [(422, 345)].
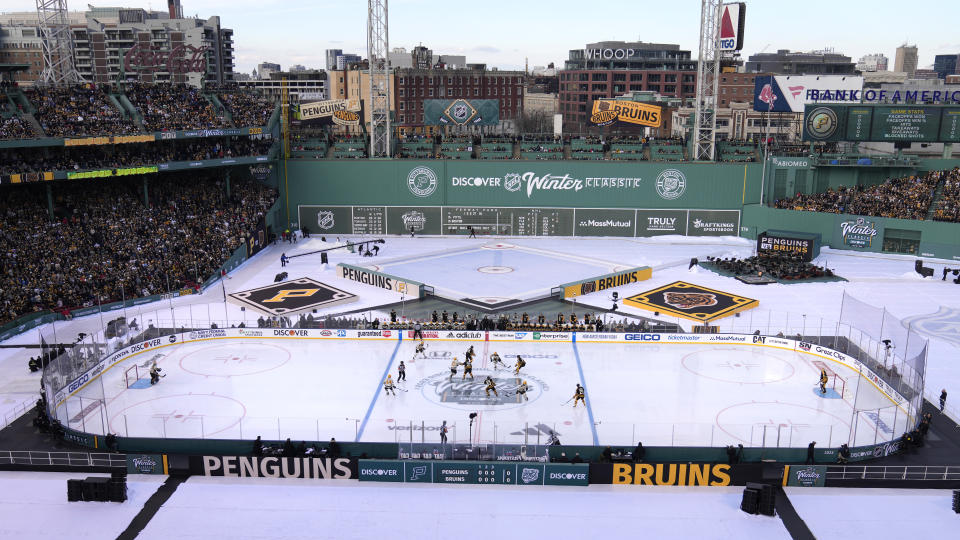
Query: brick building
[(608, 69), (415, 85)]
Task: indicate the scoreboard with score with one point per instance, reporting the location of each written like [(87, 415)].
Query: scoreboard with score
[(881, 123)]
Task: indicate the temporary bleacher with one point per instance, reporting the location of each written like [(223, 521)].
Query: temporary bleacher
[(350, 147), (457, 148), (666, 151), (541, 147), (586, 148), (416, 148), (736, 151)]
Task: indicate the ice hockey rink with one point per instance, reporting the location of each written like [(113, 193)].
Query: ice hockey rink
[(314, 389)]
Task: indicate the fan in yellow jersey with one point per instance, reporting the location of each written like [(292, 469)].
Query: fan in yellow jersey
[(453, 368), (467, 368), (823, 381), (578, 396), (497, 361), (491, 385), (520, 363), (522, 391), (388, 387)]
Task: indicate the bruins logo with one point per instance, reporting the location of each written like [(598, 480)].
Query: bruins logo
[(689, 300), (588, 287)]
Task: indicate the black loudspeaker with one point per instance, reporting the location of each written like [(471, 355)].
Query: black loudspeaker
[(956, 501), (117, 490), (750, 501), (767, 498), (96, 488), (323, 258), (280, 277), (918, 265), (693, 262), (75, 490)]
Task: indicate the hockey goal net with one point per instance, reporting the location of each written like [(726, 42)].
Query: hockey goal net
[(835, 382), (131, 375)]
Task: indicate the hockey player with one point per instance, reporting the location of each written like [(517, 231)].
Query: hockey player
[(421, 349), (155, 373), (443, 433), (823, 381), (579, 396), (520, 363), (467, 368), (401, 372), (388, 386), (469, 354), (497, 361), (491, 385), (453, 368), (522, 391)]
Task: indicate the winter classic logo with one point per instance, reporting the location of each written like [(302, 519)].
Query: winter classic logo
[(671, 184), (414, 220), (422, 181), (325, 219), (858, 233)]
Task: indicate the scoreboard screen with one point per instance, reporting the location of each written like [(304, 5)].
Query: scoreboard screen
[(881, 123), (509, 221)]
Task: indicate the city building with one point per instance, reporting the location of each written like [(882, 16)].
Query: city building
[(608, 69), (339, 61), (946, 64), (415, 85), (540, 103), (297, 67), (906, 59), (739, 122), (784, 62), (20, 43), (924, 73), (307, 85), (737, 87), (264, 69), (872, 62)]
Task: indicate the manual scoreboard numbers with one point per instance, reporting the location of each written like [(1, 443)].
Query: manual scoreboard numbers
[(510, 221)]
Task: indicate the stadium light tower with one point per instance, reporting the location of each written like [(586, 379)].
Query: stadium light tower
[(58, 66), (380, 93), (708, 71)]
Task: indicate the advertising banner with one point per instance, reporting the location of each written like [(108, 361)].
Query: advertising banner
[(327, 219), (661, 222), (461, 112), (608, 281), (713, 223), (608, 111), (147, 464), (857, 232), (327, 108), (604, 222), (806, 475), (882, 123), (465, 472), (380, 280), (790, 93)]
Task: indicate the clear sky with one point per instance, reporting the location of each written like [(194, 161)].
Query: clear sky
[(503, 33)]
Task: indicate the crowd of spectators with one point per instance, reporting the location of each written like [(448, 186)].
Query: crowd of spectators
[(778, 265), (165, 107), (948, 207), (247, 108), (76, 158), (908, 197), (77, 111), (105, 244), (563, 322), (15, 127)]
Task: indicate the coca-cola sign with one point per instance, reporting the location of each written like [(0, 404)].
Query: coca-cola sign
[(180, 59)]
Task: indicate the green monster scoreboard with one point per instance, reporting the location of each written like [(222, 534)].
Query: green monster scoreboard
[(881, 123)]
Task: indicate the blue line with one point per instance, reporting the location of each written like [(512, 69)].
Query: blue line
[(379, 389), (593, 426)]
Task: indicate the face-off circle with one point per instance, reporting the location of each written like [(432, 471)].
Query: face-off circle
[(470, 394), (180, 415), (746, 367), (250, 359), (498, 245), (495, 269)]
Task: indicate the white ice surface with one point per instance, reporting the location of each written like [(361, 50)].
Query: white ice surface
[(252, 509), (845, 513), (34, 506), (879, 279)]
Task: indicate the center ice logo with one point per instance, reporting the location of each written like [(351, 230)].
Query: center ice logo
[(470, 393), (689, 300)]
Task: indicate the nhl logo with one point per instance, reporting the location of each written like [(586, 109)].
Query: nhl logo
[(414, 219), (511, 181), (689, 300), (422, 181), (671, 184), (529, 475), (460, 112), (325, 219)]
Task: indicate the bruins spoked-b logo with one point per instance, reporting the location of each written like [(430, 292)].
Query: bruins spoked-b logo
[(588, 287), (325, 220), (671, 184), (422, 181)]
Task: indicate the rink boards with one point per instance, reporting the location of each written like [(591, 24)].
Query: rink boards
[(122, 355)]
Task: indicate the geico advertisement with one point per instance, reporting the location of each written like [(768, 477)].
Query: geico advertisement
[(274, 467), (671, 474)]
